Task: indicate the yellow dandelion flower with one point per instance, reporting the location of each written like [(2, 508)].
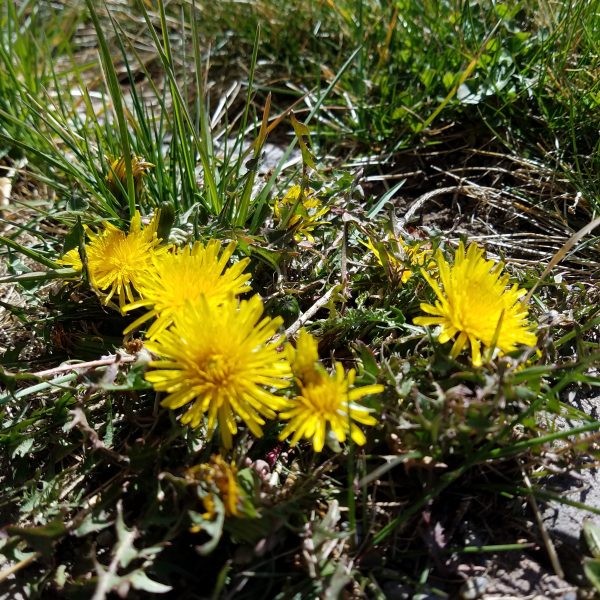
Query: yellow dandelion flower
[(304, 359), (330, 402), (306, 212), (116, 179), (220, 479), (396, 256), (183, 276), (477, 305), (72, 259), (118, 262), (219, 359)]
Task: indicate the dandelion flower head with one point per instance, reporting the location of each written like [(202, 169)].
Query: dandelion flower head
[(306, 212), (117, 175), (397, 257), (118, 262), (183, 276), (220, 479), (304, 359), (327, 402), (220, 360), (475, 303)]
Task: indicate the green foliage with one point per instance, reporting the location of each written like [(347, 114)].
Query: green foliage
[(428, 72)]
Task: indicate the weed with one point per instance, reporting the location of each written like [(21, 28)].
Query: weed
[(279, 303)]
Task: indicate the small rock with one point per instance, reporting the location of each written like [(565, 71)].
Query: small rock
[(474, 588)]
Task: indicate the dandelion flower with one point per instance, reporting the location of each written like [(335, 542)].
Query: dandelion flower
[(476, 304), (304, 359), (219, 360), (183, 276), (72, 259), (118, 262), (220, 479), (116, 179), (397, 257), (328, 402), (306, 212)]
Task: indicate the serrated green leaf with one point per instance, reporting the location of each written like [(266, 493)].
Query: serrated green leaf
[(246, 479), (214, 528), (23, 448), (303, 136), (75, 237), (92, 523), (124, 548), (140, 581), (591, 568), (591, 535), (40, 538), (270, 257), (368, 359)]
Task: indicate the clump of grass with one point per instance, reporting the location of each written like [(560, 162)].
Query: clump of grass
[(290, 427)]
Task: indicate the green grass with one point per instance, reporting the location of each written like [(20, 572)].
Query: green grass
[(433, 121)]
